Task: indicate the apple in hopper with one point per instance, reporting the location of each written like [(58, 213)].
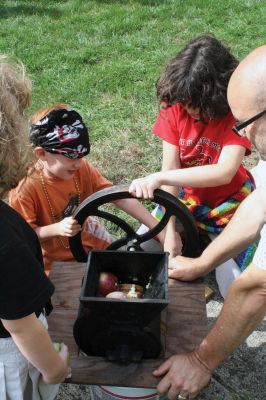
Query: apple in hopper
[(116, 295), (108, 283)]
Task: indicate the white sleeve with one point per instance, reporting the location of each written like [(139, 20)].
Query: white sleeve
[(259, 259), (259, 175)]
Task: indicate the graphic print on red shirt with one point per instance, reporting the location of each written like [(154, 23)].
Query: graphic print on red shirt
[(201, 144)]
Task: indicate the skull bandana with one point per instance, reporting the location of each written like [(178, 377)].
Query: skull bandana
[(62, 131)]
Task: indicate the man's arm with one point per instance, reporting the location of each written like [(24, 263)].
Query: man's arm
[(244, 308), (242, 230)]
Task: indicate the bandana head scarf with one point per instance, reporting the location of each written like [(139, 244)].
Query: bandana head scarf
[(62, 131)]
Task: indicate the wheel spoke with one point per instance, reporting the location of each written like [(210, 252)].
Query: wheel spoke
[(116, 220)]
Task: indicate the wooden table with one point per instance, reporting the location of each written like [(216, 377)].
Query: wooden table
[(186, 325)]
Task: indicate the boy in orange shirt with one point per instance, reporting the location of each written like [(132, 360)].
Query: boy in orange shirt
[(61, 179)]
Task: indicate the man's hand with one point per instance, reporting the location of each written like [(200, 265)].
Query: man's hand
[(144, 187), (183, 374), (185, 268), (68, 227)]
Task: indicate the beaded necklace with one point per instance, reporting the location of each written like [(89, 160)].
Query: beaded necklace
[(66, 246)]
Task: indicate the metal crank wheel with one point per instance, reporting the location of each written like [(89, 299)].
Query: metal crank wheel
[(172, 206)]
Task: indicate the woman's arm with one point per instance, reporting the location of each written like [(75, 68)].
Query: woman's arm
[(202, 176), (35, 344)]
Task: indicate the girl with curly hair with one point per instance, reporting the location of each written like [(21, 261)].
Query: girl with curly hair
[(202, 156), (29, 365)]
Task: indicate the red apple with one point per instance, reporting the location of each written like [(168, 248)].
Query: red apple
[(108, 283)]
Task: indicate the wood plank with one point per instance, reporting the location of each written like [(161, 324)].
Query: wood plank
[(185, 326)]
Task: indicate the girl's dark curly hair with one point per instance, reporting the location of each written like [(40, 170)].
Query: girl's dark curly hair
[(198, 76)]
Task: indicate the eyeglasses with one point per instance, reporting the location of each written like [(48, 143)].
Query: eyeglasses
[(237, 128)]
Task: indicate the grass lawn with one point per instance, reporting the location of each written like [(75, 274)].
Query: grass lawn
[(103, 58)]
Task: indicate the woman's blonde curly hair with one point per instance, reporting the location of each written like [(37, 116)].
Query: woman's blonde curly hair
[(15, 97)]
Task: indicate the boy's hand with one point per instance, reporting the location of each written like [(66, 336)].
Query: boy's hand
[(144, 187), (68, 227)]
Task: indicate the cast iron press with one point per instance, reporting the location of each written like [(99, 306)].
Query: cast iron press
[(126, 330)]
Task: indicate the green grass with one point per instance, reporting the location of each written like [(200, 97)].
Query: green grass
[(103, 57)]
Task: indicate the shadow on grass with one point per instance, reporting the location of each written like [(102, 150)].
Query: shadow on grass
[(27, 10), (126, 2)]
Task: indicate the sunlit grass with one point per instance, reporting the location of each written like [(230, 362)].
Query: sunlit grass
[(103, 57)]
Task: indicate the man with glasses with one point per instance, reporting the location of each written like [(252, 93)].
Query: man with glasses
[(239, 128), (245, 306)]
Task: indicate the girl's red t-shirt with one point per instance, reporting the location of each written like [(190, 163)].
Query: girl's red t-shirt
[(201, 144)]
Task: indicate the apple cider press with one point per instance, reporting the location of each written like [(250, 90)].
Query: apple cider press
[(126, 328)]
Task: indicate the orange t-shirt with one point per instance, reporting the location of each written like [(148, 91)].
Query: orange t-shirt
[(30, 200)]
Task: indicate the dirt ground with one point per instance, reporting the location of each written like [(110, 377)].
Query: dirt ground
[(252, 160)]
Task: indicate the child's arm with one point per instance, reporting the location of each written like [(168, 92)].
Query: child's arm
[(35, 344), (171, 161), (138, 211), (67, 227), (202, 176), (25, 205)]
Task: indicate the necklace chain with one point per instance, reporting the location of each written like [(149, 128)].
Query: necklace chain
[(66, 246)]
